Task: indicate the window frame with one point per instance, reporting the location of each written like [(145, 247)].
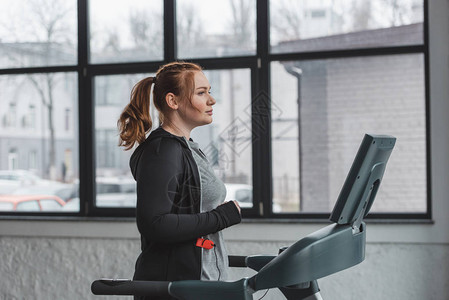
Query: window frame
[(259, 65)]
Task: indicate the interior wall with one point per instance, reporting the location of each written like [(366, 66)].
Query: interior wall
[(63, 268)]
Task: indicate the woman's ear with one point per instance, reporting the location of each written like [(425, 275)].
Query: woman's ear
[(172, 101)]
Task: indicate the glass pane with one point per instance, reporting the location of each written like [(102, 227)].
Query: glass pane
[(38, 33), (125, 31), (327, 107), (28, 206), (51, 204), (39, 138), (307, 26), (227, 141), (6, 206), (115, 185), (216, 28)]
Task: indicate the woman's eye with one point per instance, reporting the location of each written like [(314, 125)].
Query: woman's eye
[(203, 93)]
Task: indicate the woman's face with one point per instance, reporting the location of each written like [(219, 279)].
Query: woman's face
[(200, 112)]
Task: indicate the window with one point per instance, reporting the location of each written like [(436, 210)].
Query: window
[(125, 31), (13, 159), (337, 101), (216, 28), (38, 33), (11, 116), (112, 163), (297, 84), (317, 13), (32, 160), (35, 160), (31, 120), (301, 26), (329, 98), (67, 119)]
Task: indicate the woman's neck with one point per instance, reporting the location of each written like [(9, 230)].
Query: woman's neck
[(176, 130)]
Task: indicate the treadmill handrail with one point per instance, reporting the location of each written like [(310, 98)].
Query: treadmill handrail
[(129, 287)]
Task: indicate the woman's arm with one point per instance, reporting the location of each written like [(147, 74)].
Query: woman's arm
[(157, 184)]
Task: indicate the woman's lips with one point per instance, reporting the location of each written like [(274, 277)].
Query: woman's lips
[(209, 112)]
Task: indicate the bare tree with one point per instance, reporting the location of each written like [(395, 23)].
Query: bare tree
[(189, 30), (51, 20), (361, 12), (404, 12), (241, 23), (44, 84), (146, 30), (287, 19), (388, 13), (112, 43), (140, 28)]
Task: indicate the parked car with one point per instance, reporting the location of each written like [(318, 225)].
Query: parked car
[(30, 203), (111, 192), (105, 200), (73, 205), (113, 185), (64, 191), (116, 192), (243, 193), (11, 180)]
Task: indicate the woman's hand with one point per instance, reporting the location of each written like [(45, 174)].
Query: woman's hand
[(228, 212), (236, 204)]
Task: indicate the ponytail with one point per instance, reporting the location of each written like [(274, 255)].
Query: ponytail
[(135, 121)]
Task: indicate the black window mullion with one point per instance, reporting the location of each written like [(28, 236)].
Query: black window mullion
[(86, 138), (261, 108), (34, 70), (170, 47), (427, 97), (124, 68), (227, 62)]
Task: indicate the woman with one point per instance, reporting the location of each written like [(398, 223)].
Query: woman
[(179, 198)]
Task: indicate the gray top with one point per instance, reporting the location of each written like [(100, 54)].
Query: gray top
[(213, 192)]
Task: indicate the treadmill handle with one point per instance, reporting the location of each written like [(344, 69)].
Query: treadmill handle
[(237, 261), (128, 287)]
